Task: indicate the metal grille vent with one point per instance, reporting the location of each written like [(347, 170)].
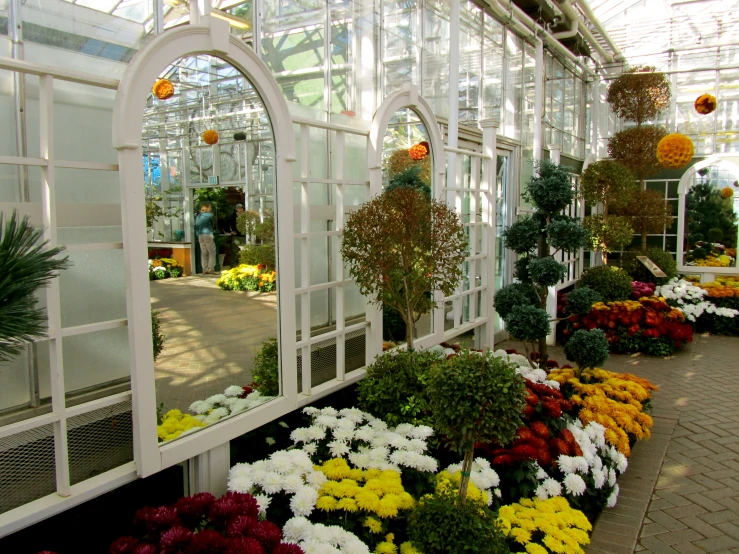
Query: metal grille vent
[(99, 441), (355, 349), (26, 467)]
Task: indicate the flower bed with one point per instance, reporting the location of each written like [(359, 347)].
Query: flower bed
[(710, 307), (164, 268), (248, 278), (648, 325)]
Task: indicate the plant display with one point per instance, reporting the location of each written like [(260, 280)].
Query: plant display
[(163, 89), (175, 424), (614, 400), (690, 299), (636, 149), (648, 212), (641, 289), (247, 222), (262, 253), (252, 278), (202, 524), (439, 521), (395, 388), (210, 136), (266, 368), (234, 400), (639, 94), (610, 283), (401, 246), (543, 526), (638, 271), (724, 294), (711, 227), (164, 268), (648, 325), (588, 349), (705, 104), (537, 239), (411, 177), (400, 161), (610, 184), (675, 150), (27, 265), (316, 538), (157, 337), (475, 398)]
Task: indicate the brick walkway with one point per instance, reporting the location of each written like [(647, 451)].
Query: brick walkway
[(681, 491)]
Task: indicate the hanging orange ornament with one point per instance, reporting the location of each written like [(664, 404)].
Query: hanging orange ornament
[(163, 89), (727, 192), (418, 152), (674, 151), (210, 136), (705, 104)]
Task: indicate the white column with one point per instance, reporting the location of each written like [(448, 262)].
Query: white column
[(555, 151), (485, 336), (208, 472), (595, 116), (538, 98), (453, 76)]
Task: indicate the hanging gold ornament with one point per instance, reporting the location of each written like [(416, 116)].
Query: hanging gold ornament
[(210, 136), (705, 104), (674, 151), (727, 192), (418, 152), (163, 89)]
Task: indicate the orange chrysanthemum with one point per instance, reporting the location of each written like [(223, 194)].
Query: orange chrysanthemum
[(163, 89)]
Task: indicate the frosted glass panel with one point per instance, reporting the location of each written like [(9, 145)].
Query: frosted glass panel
[(94, 359), (14, 383), (93, 288)]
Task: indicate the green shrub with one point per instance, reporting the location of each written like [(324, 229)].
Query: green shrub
[(395, 387), (410, 177), (523, 235), (527, 323), (266, 372), (157, 338), (587, 348), (515, 294), (580, 301), (546, 272), (612, 283), (258, 254), (638, 272), (437, 525)]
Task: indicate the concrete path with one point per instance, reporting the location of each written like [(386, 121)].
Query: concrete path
[(681, 491)]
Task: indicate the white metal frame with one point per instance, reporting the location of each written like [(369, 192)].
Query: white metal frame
[(728, 162), (209, 36)]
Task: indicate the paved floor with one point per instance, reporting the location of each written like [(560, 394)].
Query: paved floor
[(212, 336), (681, 491)]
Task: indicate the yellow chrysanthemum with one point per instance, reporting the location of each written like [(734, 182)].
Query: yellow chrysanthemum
[(327, 504), (374, 525), (336, 469)]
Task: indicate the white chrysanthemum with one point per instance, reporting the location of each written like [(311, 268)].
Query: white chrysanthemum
[(565, 464), (316, 479), (216, 398), (599, 477), (271, 482), (365, 434), (417, 445), (326, 421), (378, 424), (611, 477), (613, 498), (263, 502), (304, 501), (338, 449), (540, 473), (200, 407), (553, 487), (381, 438), (240, 405), (404, 429), (215, 415), (300, 435), (343, 434), (234, 390), (541, 492), (240, 483), (320, 539), (360, 459), (310, 410), (421, 432), (574, 484), (292, 483), (621, 462), (353, 414), (310, 448), (329, 411), (316, 433)]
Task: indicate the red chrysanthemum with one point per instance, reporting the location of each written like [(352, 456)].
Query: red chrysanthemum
[(524, 433), (552, 408), (240, 526), (146, 548), (232, 504), (544, 457), (532, 399), (540, 429), (267, 533), (193, 509), (523, 452), (208, 541), (244, 545), (287, 548), (175, 540), (156, 519), (124, 545), (503, 459), (560, 447), (528, 410)]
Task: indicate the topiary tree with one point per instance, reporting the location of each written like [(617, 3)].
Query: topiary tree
[(411, 177), (647, 213), (588, 349), (636, 149), (638, 272), (402, 245), (639, 94), (27, 265), (475, 398), (610, 283), (611, 185), (537, 239)]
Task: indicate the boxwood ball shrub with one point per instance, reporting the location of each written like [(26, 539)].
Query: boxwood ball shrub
[(581, 300), (395, 387), (611, 283), (475, 398), (587, 349), (513, 295), (438, 525), (638, 272), (527, 324)]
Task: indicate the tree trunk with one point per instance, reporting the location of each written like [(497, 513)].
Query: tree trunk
[(543, 252), (466, 469), (409, 329)]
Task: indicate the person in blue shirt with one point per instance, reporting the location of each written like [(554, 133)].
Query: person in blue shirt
[(204, 224)]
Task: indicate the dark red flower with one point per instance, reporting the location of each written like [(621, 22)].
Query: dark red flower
[(524, 433), (503, 459), (156, 519), (287, 548), (523, 452), (175, 540), (244, 545), (247, 391), (267, 533), (552, 408), (528, 410), (541, 430), (124, 545), (193, 509), (560, 447), (240, 525), (146, 548), (230, 505), (208, 541), (544, 457)]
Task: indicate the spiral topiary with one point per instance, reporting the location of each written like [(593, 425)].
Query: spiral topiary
[(705, 104), (210, 136), (675, 150)]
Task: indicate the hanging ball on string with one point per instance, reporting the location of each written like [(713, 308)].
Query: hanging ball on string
[(705, 104), (163, 89), (210, 136)]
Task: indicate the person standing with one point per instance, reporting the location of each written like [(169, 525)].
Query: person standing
[(204, 230)]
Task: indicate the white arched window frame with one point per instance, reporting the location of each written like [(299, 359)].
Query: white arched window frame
[(683, 187), (212, 37)]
